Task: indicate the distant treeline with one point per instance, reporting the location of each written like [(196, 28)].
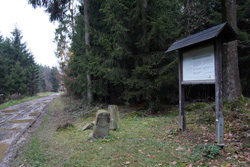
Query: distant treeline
[(19, 73), (48, 81)]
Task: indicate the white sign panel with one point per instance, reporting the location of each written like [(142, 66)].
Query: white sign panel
[(198, 65)]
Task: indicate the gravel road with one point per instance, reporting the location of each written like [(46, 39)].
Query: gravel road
[(15, 120)]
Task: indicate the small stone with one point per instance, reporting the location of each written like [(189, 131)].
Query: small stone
[(91, 135), (114, 117), (88, 126), (101, 128)]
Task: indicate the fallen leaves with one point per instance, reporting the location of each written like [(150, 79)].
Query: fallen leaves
[(141, 152), (204, 128), (127, 163), (205, 141), (173, 163), (151, 156), (180, 148)]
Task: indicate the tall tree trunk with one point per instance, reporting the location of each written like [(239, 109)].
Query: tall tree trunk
[(144, 27), (144, 6), (87, 43), (231, 78), (71, 9)]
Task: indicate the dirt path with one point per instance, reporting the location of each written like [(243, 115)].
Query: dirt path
[(15, 120)]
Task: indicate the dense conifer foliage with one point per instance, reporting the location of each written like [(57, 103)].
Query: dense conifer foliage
[(243, 13), (126, 56), (126, 59), (19, 73)]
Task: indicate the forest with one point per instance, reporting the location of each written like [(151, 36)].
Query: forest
[(20, 75), (114, 51)]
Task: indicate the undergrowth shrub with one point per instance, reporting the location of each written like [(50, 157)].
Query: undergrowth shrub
[(205, 151), (67, 126)]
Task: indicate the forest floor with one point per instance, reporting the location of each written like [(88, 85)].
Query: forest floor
[(144, 138)]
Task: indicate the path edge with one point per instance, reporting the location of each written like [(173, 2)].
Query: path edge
[(11, 152)]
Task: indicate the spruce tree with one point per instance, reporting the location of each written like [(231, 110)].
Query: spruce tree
[(3, 68), (16, 80)]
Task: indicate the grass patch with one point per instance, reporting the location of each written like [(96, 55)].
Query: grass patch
[(142, 140), (35, 154), (14, 102), (67, 126)]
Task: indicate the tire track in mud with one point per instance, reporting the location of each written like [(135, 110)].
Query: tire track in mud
[(15, 120)]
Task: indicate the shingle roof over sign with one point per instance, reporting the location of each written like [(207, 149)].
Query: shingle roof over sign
[(224, 29)]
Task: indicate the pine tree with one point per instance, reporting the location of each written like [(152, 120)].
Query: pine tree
[(16, 80), (152, 74), (3, 68), (18, 67)]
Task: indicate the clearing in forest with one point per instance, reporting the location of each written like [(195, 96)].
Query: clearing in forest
[(144, 138)]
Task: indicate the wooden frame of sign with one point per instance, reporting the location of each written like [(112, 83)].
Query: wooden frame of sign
[(200, 62)]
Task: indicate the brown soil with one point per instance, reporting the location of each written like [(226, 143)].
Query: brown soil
[(9, 111), (59, 118), (34, 114), (3, 148), (190, 135), (21, 121), (5, 129)]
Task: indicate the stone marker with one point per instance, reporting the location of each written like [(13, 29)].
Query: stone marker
[(101, 128), (114, 117)]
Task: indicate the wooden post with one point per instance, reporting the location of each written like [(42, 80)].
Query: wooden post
[(182, 118), (219, 131)]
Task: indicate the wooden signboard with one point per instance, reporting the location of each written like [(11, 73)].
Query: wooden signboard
[(200, 62), (198, 65)]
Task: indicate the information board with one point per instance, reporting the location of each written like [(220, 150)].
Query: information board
[(198, 65)]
